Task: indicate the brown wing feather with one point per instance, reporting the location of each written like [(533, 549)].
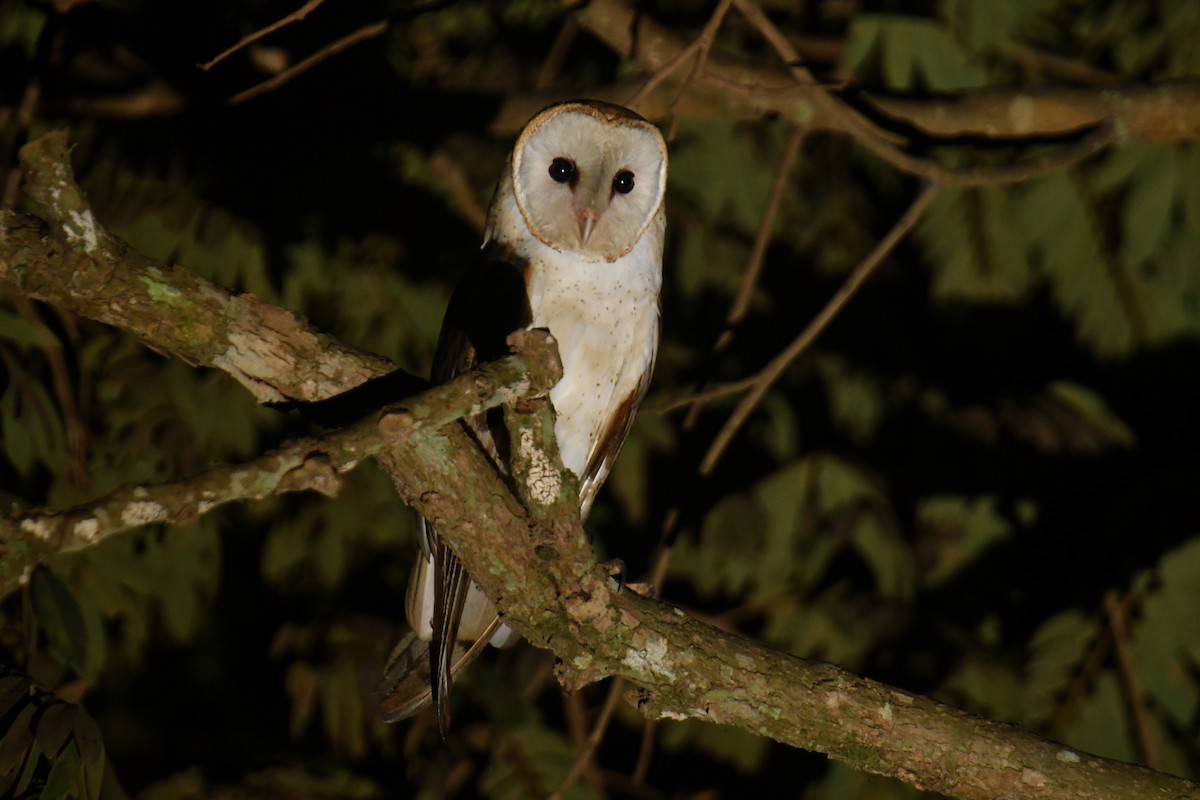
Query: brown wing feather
[(605, 449), (485, 308)]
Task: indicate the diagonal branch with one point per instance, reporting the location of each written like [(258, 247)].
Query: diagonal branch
[(771, 372), (273, 352), (310, 464)]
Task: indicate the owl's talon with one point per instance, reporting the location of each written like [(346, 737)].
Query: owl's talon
[(615, 567), (642, 589)]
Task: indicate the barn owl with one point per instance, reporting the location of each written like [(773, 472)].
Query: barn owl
[(573, 243)]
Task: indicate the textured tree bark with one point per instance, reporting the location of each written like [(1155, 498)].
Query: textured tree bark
[(525, 545)]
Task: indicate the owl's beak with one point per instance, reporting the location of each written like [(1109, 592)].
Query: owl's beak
[(587, 223)]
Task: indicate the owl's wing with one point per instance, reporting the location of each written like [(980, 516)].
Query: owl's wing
[(604, 450), (407, 685), (486, 307)]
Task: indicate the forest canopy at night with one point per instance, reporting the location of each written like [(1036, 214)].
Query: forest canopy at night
[(920, 440)]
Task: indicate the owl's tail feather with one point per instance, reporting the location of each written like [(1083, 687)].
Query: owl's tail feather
[(406, 687)]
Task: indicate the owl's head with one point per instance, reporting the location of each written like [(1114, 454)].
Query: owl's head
[(589, 178)]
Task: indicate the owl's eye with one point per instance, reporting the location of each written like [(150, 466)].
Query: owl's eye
[(562, 170), (623, 182)]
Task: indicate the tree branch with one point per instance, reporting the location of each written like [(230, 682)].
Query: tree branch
[(273, 352), (738, 89), (310, 464), (531, 555)]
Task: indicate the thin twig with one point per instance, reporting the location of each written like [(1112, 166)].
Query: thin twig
[(707, 395), (458, 187), (295, 16), (771, 372), (699, 46), (64, 393), (1085, 677), (1045, 63), (886, 146), (26, 112), (274, 82), (558, 53), (575, 712), (753, 271), (599, 728), (1129, 679), (741, 303), (782, 46), (645, 752)]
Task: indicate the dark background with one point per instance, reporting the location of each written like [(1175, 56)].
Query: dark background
[(996, 432)]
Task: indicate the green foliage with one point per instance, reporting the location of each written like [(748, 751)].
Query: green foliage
[(528, 762), (911, 53), (986, 24), (167, 221), (741, 750), (1134, 292), (51, 748), (957, 531), (333, 688), (1166, 640), (20, 27)]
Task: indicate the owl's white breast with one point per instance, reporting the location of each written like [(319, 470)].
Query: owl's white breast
[(604, 316), (605, 319)]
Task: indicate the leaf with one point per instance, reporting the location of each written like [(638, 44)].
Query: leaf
[(1166, 639), (1060, 227), (54, 726), (730, 540), (985, 24), (988, 688), (743, 751), (530, 762), (842, 782), (329, 556), (21, 26), (59, 615), (12, 689), (776, 429), (284, 550), (886, 554), (1146, 213), (26, 776), (914, 51), (840, 486), (829, 627), (300, 682), (955, 531), (1091, 408), (1101, 726), (855, 397), (1056, 650), (780, 497), (631, 481), (342, 707), (65, 775), (46, 424), (975, 248), (17, 437), (17, 740), (18, 330), (708, 260), (861, 43), (724, 172), (91, 753)]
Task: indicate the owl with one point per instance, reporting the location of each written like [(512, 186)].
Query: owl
[(573, 243)]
